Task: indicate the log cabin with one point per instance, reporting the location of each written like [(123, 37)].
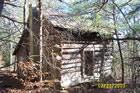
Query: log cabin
[(71, 53)]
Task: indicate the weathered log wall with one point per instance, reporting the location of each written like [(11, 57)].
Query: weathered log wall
[(63, 54), (73, 65)]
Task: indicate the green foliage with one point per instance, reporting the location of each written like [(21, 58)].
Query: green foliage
[(86, 12), (6, 57), (116, 58)]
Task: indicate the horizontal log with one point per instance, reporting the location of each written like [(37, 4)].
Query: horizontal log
[(70, 50), (78, 42), (107, 68), (108, 65), (64, 48), (99, 45), (78, 48), (73, 45), (70, 56), (71, 65), (71, 61), (64, 53), (88, 49), (70, 71), (109, 60), (74, 51)]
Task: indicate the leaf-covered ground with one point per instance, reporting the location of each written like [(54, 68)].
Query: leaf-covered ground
[(9, 83)]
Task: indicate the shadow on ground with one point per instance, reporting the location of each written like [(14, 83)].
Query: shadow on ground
[(9, 81)]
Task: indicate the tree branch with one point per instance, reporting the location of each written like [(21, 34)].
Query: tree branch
[(12, 5), (102, 6), (124, 17), (11, 19), (7, 40), (127, 38)]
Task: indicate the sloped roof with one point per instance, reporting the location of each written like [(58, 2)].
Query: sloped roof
[(59, 19)]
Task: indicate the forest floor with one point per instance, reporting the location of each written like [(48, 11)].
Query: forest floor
[(9, 83)]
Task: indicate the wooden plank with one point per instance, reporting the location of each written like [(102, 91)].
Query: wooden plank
[(70, 71), (106, 68), (78, 42), (78, 51), (69, 68), (64, 53), (99, 45), (70, 56), (81, 47), (108, 45), (71, 61), (102, 46), (72, 45), (67, 46), (71, 65), (108, 65), (85, 48), (109, 61), (88, 49), (70, 50)]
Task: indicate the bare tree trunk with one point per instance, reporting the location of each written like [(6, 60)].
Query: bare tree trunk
[(1, 6), (41, 47), (134, 79), (30, 30), (11, 44), (121, 56), (11, 48), (24, 14)]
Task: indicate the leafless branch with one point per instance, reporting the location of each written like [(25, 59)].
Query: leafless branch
[(1, 39), (124, 17), (127, 38), (126, 3), (13, 20), (103, 4), (12, 5)]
